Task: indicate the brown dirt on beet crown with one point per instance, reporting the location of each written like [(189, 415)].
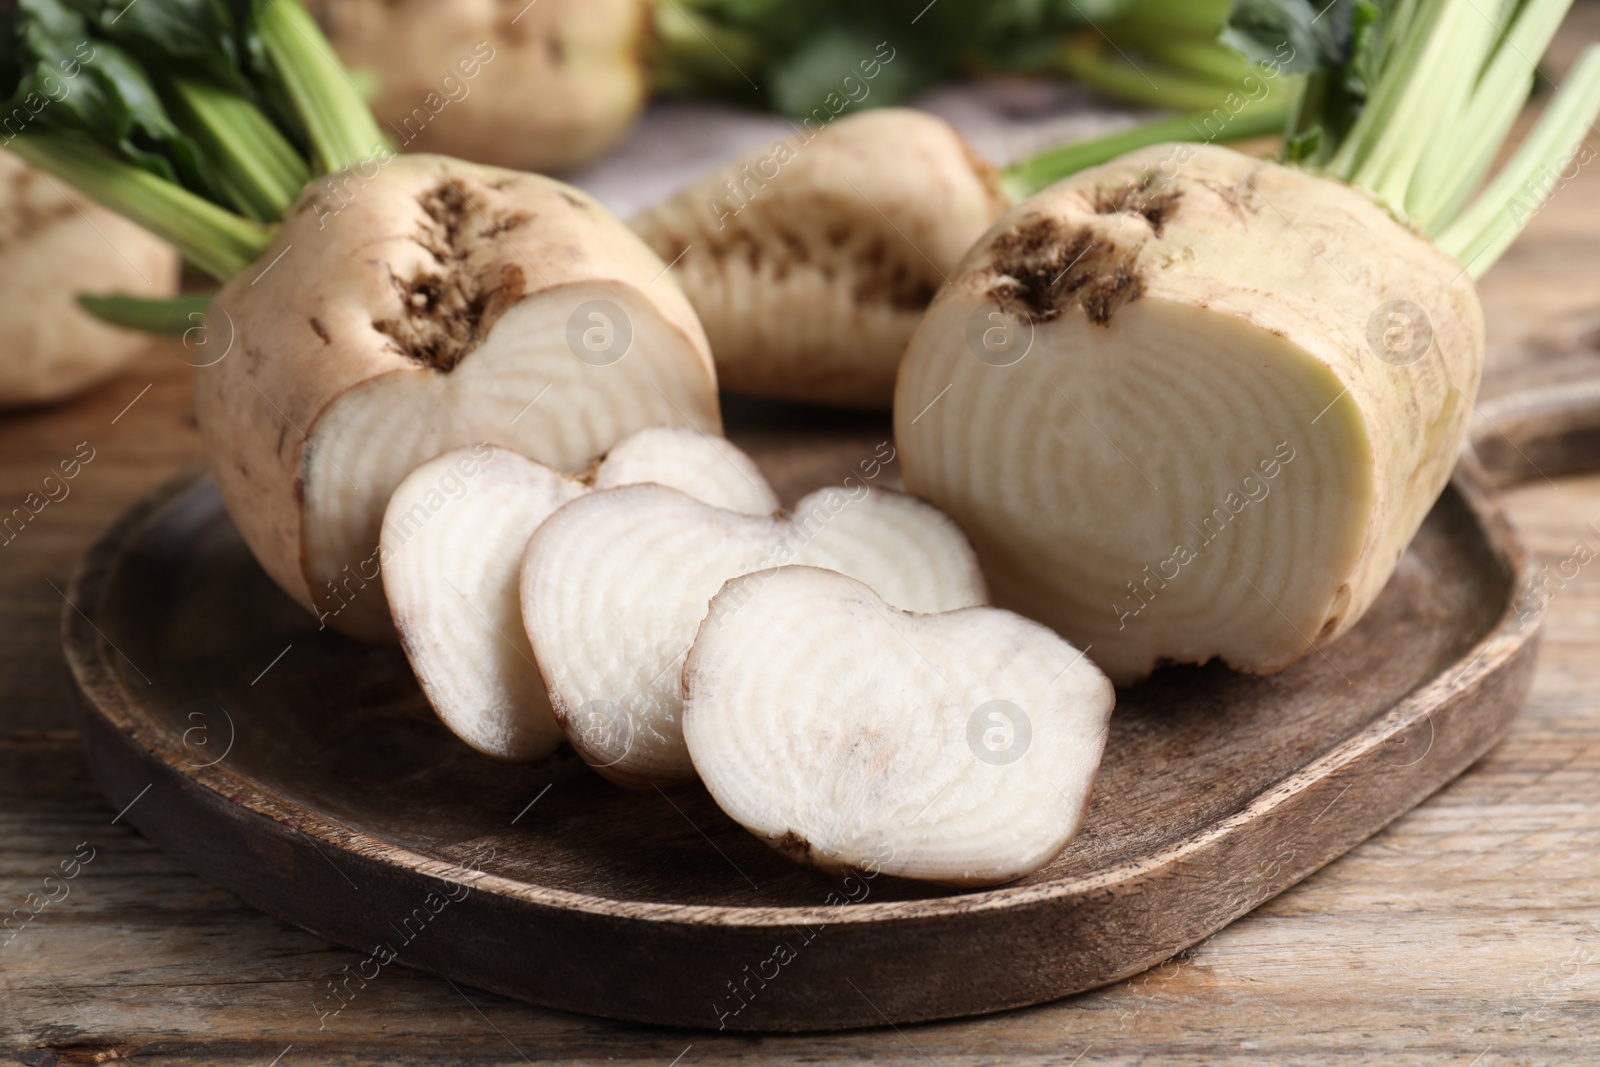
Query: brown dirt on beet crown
[(449, 310), (1044, 266), (1151, 200)]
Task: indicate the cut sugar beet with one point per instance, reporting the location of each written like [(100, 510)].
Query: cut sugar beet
[(1163, 463), (448, 338), (615, 584), (452, 542), (1194, 405), (957, 748)]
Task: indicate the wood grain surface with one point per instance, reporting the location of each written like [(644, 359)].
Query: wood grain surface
[(1467, 933)]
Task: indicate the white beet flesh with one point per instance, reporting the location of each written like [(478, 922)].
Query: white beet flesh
[(1110, 503), (615, 584), (713, 470), (452, 544), (450, 575), (375, 435), (957, 748)]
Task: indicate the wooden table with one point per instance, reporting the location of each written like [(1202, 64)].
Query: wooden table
[(1467, 933)]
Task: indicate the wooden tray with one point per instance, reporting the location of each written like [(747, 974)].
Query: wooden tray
[(305, 773)]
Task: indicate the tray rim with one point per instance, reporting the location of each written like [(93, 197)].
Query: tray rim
[(105, 692)]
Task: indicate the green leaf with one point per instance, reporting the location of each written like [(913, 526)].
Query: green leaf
[(1334, 43), (1300, 36), (815, 76), (200, 35), (70, 79), (199, 119), (1361, 69), (796, 53), (1303, 147), (174, 317)]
